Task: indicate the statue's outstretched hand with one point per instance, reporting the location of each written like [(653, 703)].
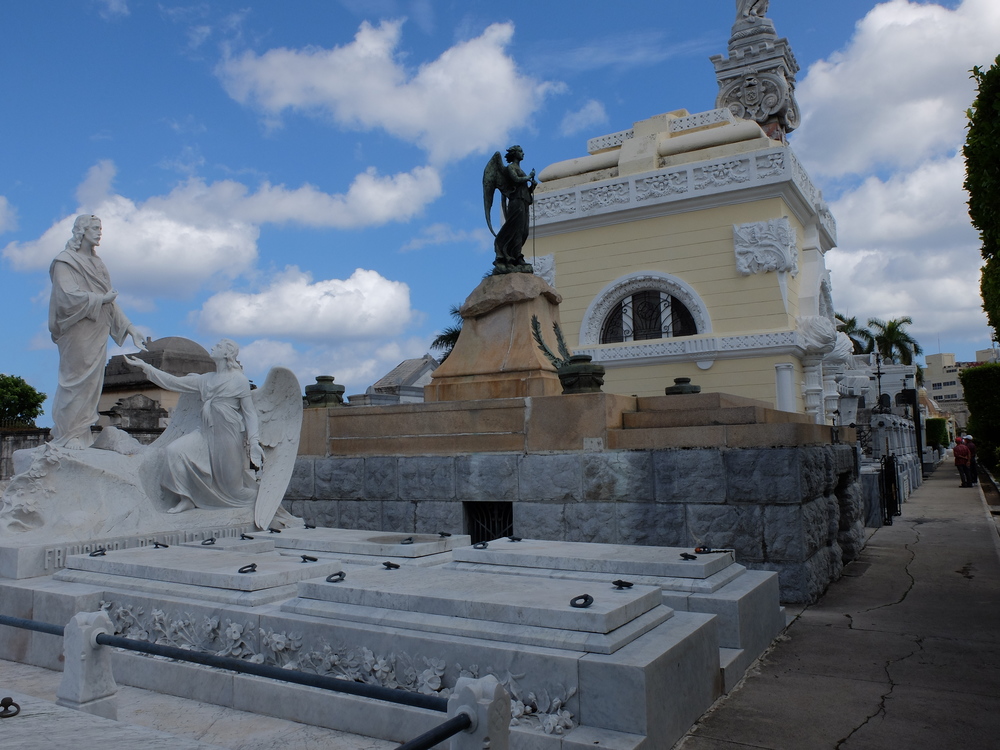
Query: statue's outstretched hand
[(136, 336), (256, 453), (135, 362)]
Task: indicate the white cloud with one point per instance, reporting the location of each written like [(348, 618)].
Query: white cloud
[(356, 366), (897, 94), (590, 114), (366, 305), (465, 101), (443, 234), (175, 243), (148, 247), (113, 9), (923, 210), (8, 216)]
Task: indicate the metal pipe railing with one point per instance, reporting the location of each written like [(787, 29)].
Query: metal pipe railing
[(391, 695), (440, 733)]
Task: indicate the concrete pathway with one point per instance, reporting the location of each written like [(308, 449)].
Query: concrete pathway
[(902, 652)]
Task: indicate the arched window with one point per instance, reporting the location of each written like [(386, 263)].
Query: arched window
[(643, 306), (648, 314)]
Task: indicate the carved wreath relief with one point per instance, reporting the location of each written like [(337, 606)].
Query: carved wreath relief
[(536, 709)]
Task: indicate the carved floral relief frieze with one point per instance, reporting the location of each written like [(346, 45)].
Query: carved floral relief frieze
[(661, 185), (538, 707), (561, 204), (763, 246), (614, 194), (720, 174)]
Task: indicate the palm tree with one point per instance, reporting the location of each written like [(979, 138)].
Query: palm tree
[(892, 340), (860, 337), (446, 340)]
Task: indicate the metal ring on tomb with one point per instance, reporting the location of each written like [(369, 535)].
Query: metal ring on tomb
[(99, 552), (514, 538), (444, 534), (246, 537), (274, 531), (480, 545), (251, 568), (208, 542), (336, 577), (581, 602), (309, 558), (390, 565), (160, 545), (408, 540), (8, 708), (688, 556), (621, 585), (310, 526)]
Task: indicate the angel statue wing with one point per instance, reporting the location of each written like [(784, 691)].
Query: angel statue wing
[(279, 407), (494, 178)]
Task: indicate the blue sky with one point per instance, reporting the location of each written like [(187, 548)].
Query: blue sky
[(304, 177)]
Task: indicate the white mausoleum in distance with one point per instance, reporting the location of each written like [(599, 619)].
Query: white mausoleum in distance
[(692, 245)]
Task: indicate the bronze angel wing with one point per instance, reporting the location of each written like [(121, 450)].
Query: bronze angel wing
[(494, 178)]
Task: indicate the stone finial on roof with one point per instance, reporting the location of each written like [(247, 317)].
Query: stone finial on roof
[(757, 80)]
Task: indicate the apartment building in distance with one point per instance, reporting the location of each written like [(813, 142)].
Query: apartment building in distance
[(941, 380)]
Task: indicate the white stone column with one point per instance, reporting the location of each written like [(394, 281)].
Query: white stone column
[(784, 386), (812, 368)]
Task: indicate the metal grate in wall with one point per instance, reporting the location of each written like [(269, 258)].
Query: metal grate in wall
[(487, 521)]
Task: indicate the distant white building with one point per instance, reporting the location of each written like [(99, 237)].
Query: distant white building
[(943, 384)]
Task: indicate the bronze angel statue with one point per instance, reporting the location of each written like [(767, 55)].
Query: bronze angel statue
[(516, 189)]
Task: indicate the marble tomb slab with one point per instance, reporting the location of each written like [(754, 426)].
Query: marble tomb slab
[(374, 543), (500, 598), (253, 544), (616, 559), (198, 567)]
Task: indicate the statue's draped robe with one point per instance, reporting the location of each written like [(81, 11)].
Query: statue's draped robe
[(80, 323), (509, 242), (210, 466)]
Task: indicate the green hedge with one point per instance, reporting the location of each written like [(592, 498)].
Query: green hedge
[(937, 432), (982, 394)]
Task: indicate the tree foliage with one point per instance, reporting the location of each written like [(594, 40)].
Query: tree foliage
[(891, 339), (860, 337), (937, 431), (20, 404), (982, 394), (982, 181), (446, 340)]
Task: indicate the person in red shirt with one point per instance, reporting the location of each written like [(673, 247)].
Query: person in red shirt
[(962, 457)]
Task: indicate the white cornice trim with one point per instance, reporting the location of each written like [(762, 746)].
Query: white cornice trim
[(740, 178)]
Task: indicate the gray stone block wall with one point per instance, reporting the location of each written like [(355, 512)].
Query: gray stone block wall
[(797, 511)]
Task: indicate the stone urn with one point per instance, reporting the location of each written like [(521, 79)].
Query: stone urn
[(580, 375), (681, 386), (323, 393)]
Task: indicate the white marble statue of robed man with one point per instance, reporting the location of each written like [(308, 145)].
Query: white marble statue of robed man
[(82, 314)]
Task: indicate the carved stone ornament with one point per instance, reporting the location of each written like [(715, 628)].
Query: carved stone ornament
[(819, 334), (757, 81), (538, 707), (764, 246)]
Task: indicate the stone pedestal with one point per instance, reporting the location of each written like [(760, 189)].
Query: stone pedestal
[(496, 356)]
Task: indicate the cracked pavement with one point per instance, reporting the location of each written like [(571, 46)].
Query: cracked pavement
[(901, 652)]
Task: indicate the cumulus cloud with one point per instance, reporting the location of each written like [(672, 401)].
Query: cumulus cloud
[(467, 99), (175, 243), (8, 216), (897, 94), (443, 234), (590, 114), (366, 305), (356, 366), (147, 246), (883, 120)]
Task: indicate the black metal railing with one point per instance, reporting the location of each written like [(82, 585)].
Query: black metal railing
[(865, 434), (443, 731), (889, 489)]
